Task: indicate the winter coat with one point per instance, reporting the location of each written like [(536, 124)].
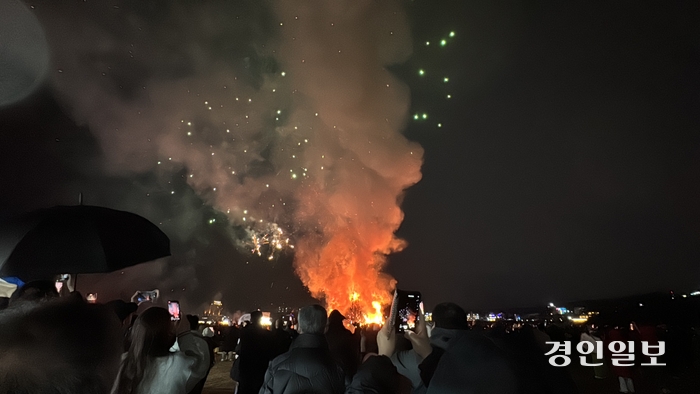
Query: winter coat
[(254, 352), (307, 367), (462, 362), (345, 349), (623, 336), (407, 361), (377, 375), (473, 364), (176, 373)]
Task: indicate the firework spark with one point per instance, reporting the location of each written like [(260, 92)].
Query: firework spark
[(270, 241)]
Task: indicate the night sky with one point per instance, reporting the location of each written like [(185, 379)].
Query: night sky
[(563, 166)]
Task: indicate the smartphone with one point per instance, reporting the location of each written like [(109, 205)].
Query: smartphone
[(143, 296), (407, 310), (174, 309)]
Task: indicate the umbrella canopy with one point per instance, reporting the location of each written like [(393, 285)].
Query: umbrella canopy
[(77, 239)]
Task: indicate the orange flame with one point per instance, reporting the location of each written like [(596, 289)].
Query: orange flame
[(359, 163), (346, 277), (376, 317)]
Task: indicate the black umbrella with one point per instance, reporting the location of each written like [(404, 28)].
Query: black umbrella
[(77, 239)]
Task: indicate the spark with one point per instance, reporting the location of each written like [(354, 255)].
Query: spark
[(269, 240)]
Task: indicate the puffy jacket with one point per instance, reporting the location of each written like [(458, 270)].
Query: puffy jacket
[(473, 364), (376, 376), (307, 367)]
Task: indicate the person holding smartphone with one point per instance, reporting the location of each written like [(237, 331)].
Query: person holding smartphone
[(150, 367), (451, 359)]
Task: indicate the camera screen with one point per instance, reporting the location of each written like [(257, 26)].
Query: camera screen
[(408, 314), (174, 309)]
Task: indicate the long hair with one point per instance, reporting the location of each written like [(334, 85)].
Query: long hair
[(151, 336)]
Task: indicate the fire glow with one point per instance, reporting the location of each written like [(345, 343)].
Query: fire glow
[(350, 210), (376, 317)]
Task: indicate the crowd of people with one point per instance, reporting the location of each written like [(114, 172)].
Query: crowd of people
[(52, 344)]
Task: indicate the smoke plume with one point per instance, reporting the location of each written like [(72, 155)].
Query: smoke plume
[(280, 115)]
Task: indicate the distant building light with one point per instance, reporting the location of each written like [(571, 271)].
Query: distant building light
[(695, 293)]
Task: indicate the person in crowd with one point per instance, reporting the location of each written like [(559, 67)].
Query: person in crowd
[(35, 291), (208, 335), (308, 366), (287, 327), (124, 311), (450, 321), (254, 352), (343, 345), (283, 338), (196, 340), (57, 345), (150, 367), (431, 363), (377, 375), (368, 340), (591, 335), (534, 373), (541, 337), (624, 374), (231, 335)]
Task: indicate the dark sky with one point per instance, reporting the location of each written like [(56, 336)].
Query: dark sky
[(568, 164), (566, 167)]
